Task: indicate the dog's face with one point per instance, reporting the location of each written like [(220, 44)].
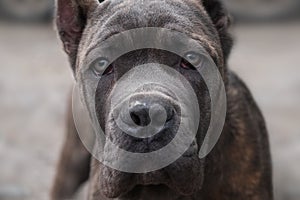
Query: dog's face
[(85, 24)]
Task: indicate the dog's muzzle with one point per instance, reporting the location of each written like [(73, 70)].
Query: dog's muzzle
[(148, 112)]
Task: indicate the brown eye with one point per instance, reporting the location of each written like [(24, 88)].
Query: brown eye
[(101, 67), (190, 60)]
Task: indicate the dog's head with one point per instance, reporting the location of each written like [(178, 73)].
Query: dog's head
[(84, 24)]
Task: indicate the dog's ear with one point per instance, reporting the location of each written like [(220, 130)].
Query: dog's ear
[(70, 20), (222, 21), (218, 13)]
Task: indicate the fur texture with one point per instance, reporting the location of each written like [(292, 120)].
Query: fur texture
[(238, 168)]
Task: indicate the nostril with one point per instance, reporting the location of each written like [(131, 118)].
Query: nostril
[(135, 119), (140, 115)]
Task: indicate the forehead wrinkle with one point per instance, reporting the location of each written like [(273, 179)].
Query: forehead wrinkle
[(109, 28), (99, 22), (126, 9), (191, 23), (95, 37)]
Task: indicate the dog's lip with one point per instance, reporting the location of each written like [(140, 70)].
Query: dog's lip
[(163, 178), (157, 188), (144, 184), (158, 184)]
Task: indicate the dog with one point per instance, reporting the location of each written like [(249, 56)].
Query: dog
[(239, 165)]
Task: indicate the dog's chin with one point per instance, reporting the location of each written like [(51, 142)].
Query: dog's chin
[(180, 179), (151, 192)]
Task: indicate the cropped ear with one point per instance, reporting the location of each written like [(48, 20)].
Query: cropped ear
[(70, 20), (222, 21)]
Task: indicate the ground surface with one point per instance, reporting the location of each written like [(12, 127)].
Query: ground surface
[(35, 81)]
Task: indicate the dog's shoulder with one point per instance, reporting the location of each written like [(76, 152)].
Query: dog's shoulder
[(243, 113), (245, 120), (244, 144), (240, 99)]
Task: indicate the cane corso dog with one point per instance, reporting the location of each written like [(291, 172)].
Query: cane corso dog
[(238, 167)]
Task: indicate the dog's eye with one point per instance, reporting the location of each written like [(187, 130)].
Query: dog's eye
[(190, 60), (101, 67)]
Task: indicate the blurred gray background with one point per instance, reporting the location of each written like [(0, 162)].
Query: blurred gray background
[(35, 81)]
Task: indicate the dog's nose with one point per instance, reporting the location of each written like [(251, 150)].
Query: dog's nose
[(139, 113), (147, 122), (153, 112)]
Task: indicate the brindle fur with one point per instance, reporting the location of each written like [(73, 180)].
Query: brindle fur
[(238, 168)]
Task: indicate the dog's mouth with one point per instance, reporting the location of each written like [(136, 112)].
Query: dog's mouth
[(149, 192), (158, 191), (181, 178)]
